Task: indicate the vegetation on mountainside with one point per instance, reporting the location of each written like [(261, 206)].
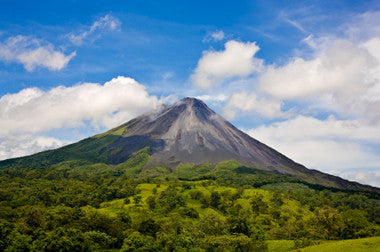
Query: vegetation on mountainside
[(81, 206)]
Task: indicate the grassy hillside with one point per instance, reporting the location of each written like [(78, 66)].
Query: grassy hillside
[(354, 245)]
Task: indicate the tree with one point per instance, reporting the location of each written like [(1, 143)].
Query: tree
[(190, 212), (238, 242), (62, 239), (215, 199), (137, 199), (356, 224), (101, 239), (238, 225), (149, 227), (170, 199), (329, 223), (151, 201), (196, 194), (258, 204), (212, 224), (138, 242)]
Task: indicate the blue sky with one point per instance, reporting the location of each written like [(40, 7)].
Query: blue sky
[(300, 76)]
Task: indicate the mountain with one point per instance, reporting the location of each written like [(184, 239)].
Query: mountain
[(187, 132)]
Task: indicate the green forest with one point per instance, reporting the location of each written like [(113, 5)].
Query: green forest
[(80, 206)]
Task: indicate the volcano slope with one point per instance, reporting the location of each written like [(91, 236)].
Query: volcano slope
[(187, 132)]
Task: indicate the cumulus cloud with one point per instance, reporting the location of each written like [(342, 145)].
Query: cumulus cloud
[(32, 53), (31, 112), (341, 75), (106, 23), (236, 60), (363, 26), (346, 75)]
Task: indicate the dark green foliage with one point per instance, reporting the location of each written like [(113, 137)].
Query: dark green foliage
[(231, 243), (213, 224), (190, 212), (197, 195), (215, 200), (101, 239), (238, 225), (149, 227), (151, 201), (258, 204), (137, 199), (171, 199), (138, 242)]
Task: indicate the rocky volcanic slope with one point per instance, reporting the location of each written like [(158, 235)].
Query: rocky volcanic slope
[(186, 132)]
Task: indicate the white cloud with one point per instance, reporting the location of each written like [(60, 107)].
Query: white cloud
[(33, 111), (269, 108), (212, 98), (310, 128), (341, 76), (106, 23), (369, 177), (17, 146), (32, 53), (332, 146), (237, 60), (215, 36), (363, 26), (218, 35), (346, 75), (25, 116)]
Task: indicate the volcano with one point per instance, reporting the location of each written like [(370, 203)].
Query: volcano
[(187, 132), (190, 132)]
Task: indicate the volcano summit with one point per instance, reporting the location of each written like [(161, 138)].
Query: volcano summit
[(188, 132)]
